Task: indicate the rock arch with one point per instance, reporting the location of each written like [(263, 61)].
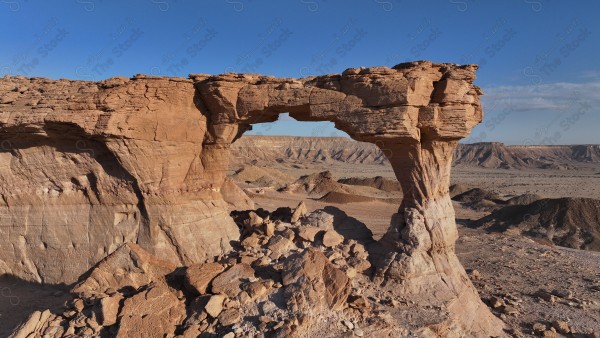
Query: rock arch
[(172, 137), (416, 113)]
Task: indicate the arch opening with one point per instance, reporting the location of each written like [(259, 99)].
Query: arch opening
[(282, 162)]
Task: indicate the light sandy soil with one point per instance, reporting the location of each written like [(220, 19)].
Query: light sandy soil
[(583, 182), (515, 268), (545, 182)]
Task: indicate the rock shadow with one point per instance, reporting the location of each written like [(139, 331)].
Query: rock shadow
[(350, 227), (20, 298)]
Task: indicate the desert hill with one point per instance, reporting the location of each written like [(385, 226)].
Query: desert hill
[(569, 222), (264, 149), (257, 150), (377, 182), (495, 155)]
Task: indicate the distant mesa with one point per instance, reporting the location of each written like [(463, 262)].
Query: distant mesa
[(264, 150)]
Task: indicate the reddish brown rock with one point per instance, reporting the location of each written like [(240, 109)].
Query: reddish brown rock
[(129, 266), (331, 238), (230, 317), (299, 212), (230, 281), (308, 232), (279, 246), (199, 276), (214, 306), (312, 282), (154, 312), (109, 308)]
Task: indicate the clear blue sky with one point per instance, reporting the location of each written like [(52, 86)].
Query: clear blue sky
[(538, 58)]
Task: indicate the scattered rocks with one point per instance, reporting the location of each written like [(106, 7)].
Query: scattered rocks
[(278, 277)]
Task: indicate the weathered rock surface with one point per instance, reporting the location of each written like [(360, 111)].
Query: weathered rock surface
[(151, 313), (230, 281), (87, 167), (90, 166), (311, 281), (198, 276), (129, 266), (234, 196)]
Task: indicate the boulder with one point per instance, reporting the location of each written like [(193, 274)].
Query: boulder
[(308, 233), (109, 309), (154, 312), (320, 219), (332, 239), (299, 212), (214, 306), (129, 266), (312, 282), (230, 281), (279, 246), (198, 276), (230, 317)]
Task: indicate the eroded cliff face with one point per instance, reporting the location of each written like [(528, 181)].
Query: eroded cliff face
[(86, 167), (89, 166)]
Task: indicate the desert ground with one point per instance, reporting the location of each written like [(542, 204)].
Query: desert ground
[(528, 282), (525, 280)]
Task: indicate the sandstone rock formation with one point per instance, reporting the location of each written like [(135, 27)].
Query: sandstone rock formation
[(90, 166)]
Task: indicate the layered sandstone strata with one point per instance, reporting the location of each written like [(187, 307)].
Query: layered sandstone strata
[(86, 167), (89, 166)]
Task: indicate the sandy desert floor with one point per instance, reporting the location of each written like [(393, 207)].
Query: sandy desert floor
[(515, 274), (583, 182)]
